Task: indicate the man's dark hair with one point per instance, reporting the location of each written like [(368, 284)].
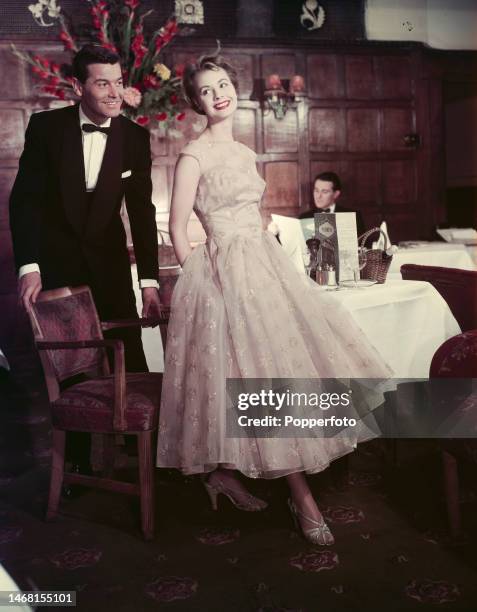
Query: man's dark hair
[(331, 177), (92, 54)]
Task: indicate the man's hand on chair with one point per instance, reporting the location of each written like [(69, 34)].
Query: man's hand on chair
[(29, 286), (151, 305)]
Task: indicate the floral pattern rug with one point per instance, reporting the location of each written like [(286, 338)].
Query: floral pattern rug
[(392, 550)]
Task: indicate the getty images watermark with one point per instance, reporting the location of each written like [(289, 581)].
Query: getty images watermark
[(324, 408), (285, 400), (320, 408)]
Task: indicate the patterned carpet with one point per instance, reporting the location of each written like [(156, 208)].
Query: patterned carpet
[(392, 551)]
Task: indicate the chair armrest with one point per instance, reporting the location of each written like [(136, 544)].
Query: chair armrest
[(142, 321), (122, 323), (119, 376), (58, 345)]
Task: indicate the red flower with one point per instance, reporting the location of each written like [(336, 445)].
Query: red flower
[(59, 93), (179, 70), (132, 3), (142, 120), (42, 74), (173, 99), (181, 117), (54, 81), (160, 116), (150, 81), (67, 41), (55, 68), (44, 62)]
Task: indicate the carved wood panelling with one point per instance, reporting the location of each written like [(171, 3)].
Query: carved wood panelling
[(282, 185), (12, 129), (399, 182), (280, 136), (366, 183), (397, 122), (325, 129), (278, 63), (360, 78), (322, 76), (14, 76), (244, 127), (394, 77), (362, 129), (243, 64)]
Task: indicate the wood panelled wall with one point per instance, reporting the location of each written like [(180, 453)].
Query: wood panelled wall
[(361, 100), (360, 103)]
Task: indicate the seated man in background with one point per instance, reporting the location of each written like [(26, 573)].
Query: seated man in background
[(326, 191)]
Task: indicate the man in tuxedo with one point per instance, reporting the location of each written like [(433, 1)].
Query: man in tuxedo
[(77, 165), (326, 191)]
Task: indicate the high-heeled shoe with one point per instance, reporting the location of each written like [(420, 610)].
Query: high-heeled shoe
[(240, 499), (320, 534)]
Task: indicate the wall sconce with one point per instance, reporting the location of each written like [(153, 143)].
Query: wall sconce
[(281, 95)]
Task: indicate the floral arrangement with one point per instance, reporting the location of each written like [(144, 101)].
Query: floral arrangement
[(152, 89)]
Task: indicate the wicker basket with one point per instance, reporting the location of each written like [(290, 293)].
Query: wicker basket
[(377, 260)]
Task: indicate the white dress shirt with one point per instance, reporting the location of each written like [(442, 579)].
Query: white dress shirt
[(94, 145)]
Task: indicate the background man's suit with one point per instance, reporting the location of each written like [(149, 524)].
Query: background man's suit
[(78, 237), (309, 214)]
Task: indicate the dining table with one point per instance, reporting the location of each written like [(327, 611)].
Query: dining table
[(443, 254), (406, 321)]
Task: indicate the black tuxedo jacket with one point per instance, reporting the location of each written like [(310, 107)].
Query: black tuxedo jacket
[(309, 214), (75, 238)]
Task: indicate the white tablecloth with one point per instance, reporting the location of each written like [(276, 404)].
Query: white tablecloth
[(405, 320), (432, 254)]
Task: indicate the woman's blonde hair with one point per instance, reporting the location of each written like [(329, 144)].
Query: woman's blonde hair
[(213, 61)]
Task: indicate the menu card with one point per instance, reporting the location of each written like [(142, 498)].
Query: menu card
[(339, 242)]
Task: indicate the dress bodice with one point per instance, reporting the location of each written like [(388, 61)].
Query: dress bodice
[(230, 188)]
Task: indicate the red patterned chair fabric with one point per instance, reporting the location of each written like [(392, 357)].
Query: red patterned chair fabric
[(87, 406), (457, 358), (457, 287), (69, 336)]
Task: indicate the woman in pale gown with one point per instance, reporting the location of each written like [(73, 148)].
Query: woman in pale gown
[(241, 310)]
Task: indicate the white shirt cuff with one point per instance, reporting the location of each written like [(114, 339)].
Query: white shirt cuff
[(148, 282), (33, 267)]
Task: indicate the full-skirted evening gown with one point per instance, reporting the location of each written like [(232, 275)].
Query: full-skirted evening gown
[(240, 309)]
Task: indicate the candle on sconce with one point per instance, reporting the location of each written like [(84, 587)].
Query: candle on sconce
[(273, 82), (297, 84)]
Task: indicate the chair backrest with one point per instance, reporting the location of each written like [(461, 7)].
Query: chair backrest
[(456, 357), (67, 314), (457, 287)]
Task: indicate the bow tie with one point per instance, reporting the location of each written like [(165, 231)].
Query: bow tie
[(90, 127), (326, 210)]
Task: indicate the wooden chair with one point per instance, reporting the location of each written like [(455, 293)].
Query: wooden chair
[(68, 335), (457, 287), (456, 358)]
